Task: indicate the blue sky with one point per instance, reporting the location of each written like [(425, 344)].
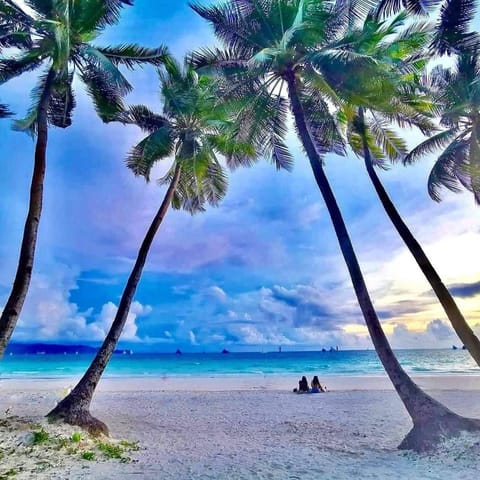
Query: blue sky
[(261, 270)]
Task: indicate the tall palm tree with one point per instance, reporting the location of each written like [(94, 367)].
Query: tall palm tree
[(457, 91), (397, 57), (56, 36), (192, 129), (272, 44)]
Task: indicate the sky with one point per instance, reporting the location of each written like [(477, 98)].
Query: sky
[(262, 270)]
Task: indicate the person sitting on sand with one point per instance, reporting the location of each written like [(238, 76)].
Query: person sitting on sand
[(302, 386), (316, 386)]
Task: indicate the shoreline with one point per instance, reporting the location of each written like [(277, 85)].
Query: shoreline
[(250, 382)]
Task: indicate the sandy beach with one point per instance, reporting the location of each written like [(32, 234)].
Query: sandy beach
[(245, 428)]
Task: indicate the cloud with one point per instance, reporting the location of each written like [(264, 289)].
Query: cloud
[(108, 312), (437, 334), (440, 330), (465, 290), (49, 314)]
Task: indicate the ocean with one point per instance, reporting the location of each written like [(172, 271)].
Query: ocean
[(346, 362)]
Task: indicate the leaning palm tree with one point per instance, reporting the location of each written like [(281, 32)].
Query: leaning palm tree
[(194, 127), (56, 36), (457, 91), (396, 55), (272, 45)]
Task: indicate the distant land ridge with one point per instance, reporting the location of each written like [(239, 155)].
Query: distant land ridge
[(50, 349)]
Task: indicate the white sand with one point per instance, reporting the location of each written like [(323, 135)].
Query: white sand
[(251, 428)]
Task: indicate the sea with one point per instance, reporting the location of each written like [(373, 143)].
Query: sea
[(343, 362)]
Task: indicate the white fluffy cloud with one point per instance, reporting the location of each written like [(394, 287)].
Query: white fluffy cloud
[(49, 315)]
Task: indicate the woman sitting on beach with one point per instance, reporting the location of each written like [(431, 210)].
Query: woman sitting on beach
[(316, 387), (302, 386)]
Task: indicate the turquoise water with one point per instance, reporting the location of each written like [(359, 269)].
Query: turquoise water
[(212, 364)]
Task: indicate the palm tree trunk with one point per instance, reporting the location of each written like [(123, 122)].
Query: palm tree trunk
[(74, 408), (461, 327), (13, 307), (431, 420)]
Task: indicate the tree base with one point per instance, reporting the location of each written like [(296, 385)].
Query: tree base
[(80, 417), (427, 435)]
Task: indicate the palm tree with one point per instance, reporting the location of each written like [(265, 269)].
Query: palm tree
[(395, 56), (57, 37), (457, 91), (272, 44), (192, 129)]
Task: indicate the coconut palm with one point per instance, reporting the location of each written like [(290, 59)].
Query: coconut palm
[(273, 45), (396, 55), (192, 130), (457, 91), (56, 37)]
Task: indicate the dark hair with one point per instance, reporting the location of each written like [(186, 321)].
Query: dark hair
[(315, 380)]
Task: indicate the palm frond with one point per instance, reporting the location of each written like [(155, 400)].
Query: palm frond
[(99, 65), (350, 13), (387, 8), (144, 155), (435, 142), (29, 123), (444, 171), (131, 55), (14, 67), (452, 31), (322, 125), (218, 60), (94, 15), (5, 111), (106, 97), (390, 142), (143, 118)]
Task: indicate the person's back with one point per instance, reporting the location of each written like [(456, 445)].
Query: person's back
[(316, 386), (303, 385)]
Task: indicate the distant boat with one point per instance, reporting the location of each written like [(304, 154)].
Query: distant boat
[(225, 351), (128, 352), (40, 353), (454, 347), (178, 352)]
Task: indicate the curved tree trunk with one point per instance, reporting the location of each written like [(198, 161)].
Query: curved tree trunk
[(13, 307), (74, 408), (461, 327), (432, 421)]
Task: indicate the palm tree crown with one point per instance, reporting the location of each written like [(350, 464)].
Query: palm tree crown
[(193, 129), (457, 92), (57, 35)]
